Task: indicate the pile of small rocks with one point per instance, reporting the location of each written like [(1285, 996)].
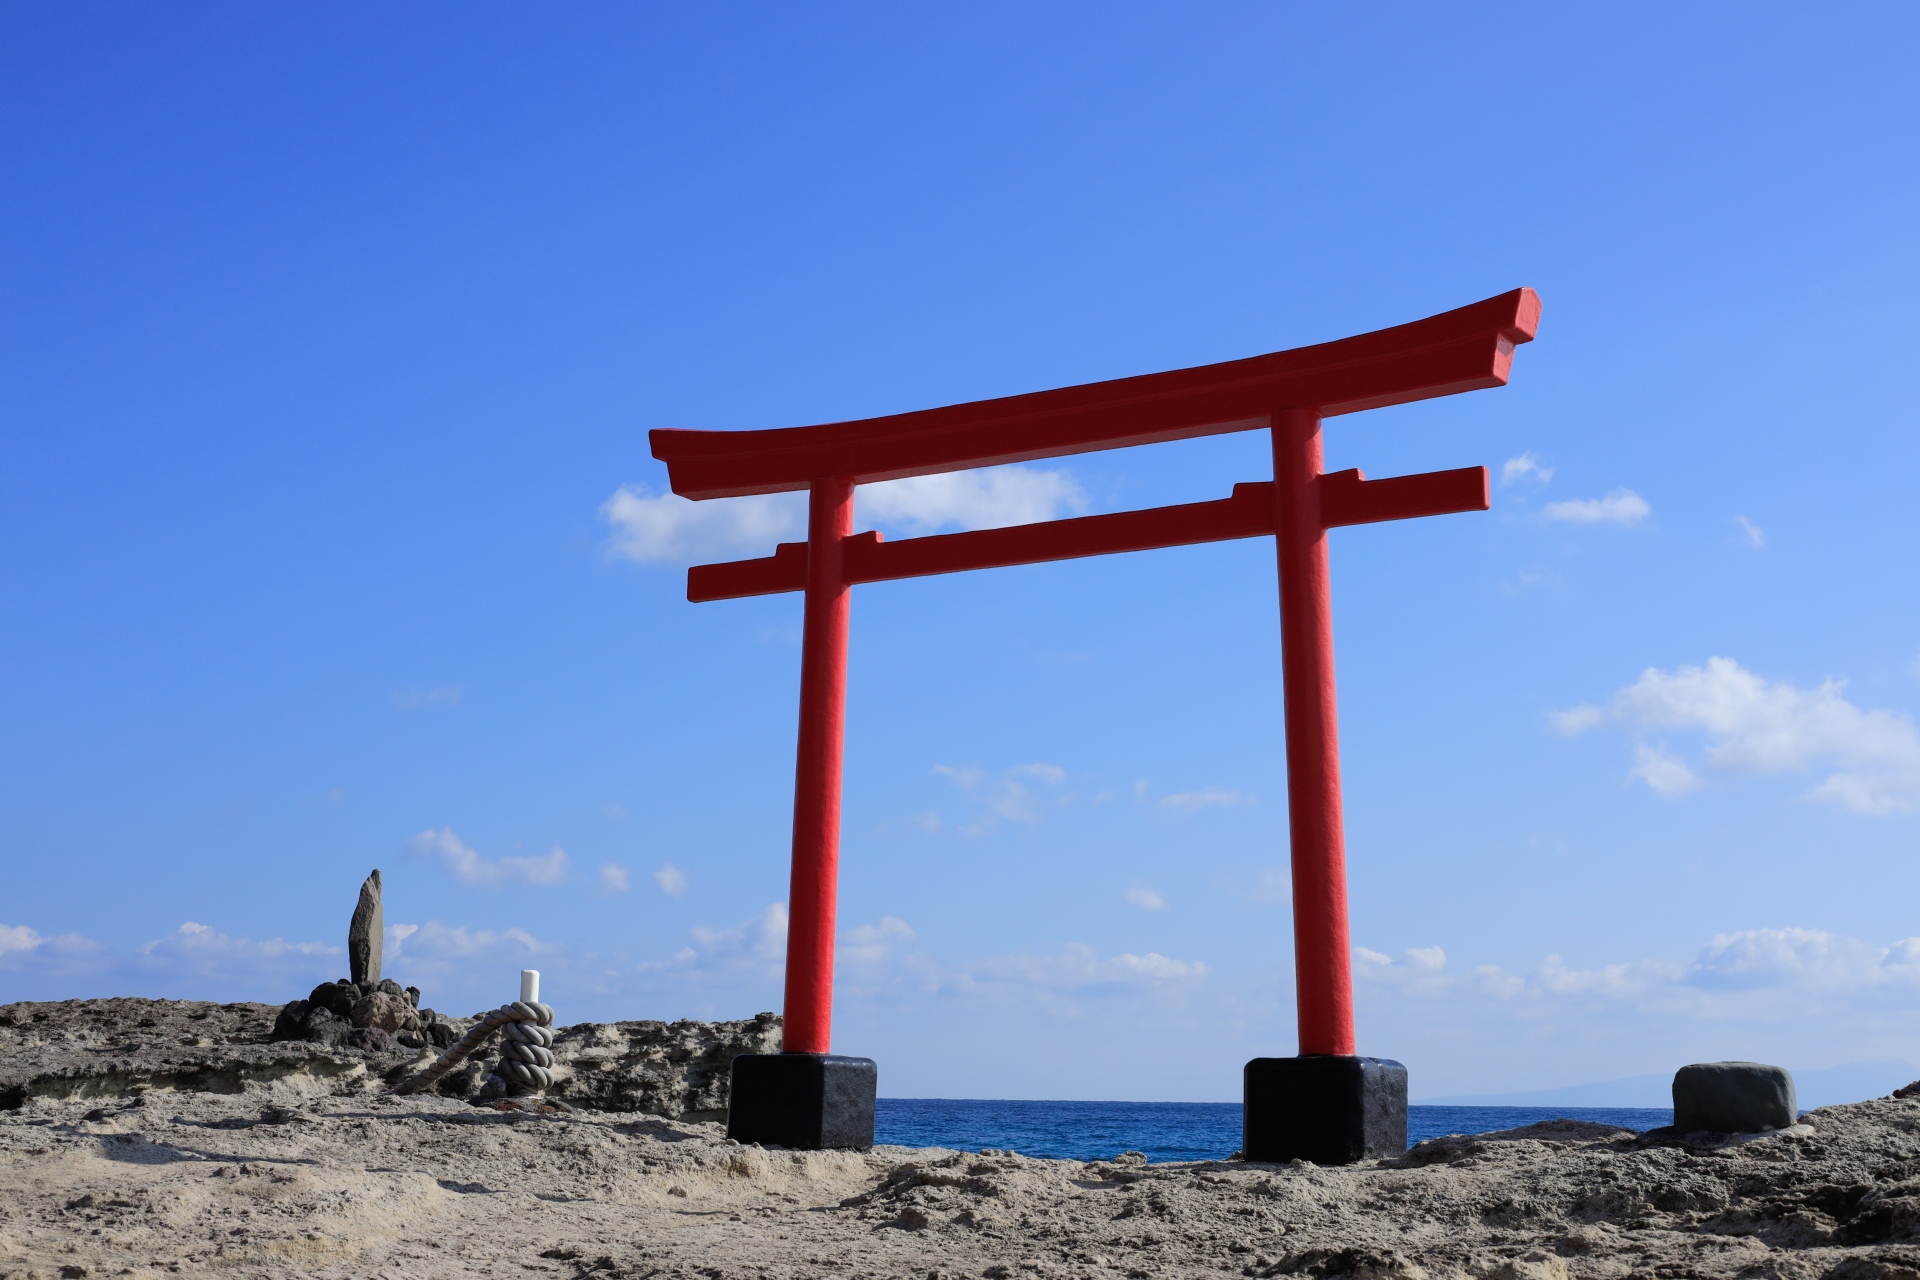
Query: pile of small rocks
[(364, 1015), (364, 1011)]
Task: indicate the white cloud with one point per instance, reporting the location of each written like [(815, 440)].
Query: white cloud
[(614, 878), (1077, 967), (1006, 796), (447, 696), (1205, 798), (470, 868), (1666, 774), (1621, 506), (1524, 467), (666, 528), (873, 943), (1154, 967), (672, 880), (18, 937), (1756, 536), (989, 498), (1771, 958), (1147, 899), (1761, 727), (436, 941), (200, 939), (1419, 971), (20, 944), (1575, 721), (1772, 971), (764, 937)]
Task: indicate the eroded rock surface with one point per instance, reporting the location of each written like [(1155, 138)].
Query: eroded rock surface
[(264, 1184), (103, 1049)]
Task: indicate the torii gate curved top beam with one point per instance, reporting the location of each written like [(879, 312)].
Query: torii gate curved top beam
[(1463, 350), (1288, 391)]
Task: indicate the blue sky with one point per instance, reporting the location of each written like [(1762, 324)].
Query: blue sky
[(329, 537)]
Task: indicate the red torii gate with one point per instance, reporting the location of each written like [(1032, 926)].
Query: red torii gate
[(1327, 1104)]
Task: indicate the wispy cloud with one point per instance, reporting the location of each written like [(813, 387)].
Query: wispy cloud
[(1621, 506), (614, 878), (1077, 968), (1205, 798), (672, 881), (1761, 727), (874, 943), (446, 696), (1524, 467), (469, 867), (199, 955), (1147, 899), (1668, 775), (1010, 795), (1746, 961), (666, 528), (22, 946), (1754, 535), (990, 498)]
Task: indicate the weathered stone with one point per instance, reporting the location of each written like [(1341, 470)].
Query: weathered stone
[(676, 1069), (335, 997), (288, 1025), (127, 1048), (391, 987), (1733, 1097), (118, 1048), (365, 932), (371, 1039), (322, 1027), (385, 1011), (413, 996)]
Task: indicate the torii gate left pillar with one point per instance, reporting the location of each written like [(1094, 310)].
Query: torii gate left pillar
[(1327, 1104)]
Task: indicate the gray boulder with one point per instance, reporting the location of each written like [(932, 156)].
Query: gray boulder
[(1733, 1097), (365, 932), (337, 998), (290, 1024)]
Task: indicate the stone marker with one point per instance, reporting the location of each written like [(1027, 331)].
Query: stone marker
[(364, 934), (1733, 1097)]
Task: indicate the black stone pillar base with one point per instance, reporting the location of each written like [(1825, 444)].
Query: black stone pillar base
[(808, 1101), (1324, 1108)]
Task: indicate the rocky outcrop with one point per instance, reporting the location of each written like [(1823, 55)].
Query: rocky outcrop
[(674, 1069), (76, 1049)]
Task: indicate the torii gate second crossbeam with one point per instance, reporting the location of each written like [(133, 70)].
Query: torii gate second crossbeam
[(1326, 1105)]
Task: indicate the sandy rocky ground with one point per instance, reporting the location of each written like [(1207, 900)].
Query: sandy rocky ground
[(116, 1162)]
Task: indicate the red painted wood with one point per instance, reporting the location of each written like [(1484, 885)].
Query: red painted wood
[(1290, 392), (816, 776), (1247, 514), (1462, 350), (1347, 497), (1323, 976)]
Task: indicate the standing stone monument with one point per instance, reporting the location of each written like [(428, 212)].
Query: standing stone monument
[(365, 932)]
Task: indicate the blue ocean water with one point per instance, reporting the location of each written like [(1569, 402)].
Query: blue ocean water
[(1165, 1130)]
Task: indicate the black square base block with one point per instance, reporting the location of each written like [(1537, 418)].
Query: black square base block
[(808, 1101), (1324, 1108)]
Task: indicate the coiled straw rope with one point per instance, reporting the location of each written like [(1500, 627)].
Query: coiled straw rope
[(526, 1058)]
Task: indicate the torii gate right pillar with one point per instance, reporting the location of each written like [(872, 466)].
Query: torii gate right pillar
[(1327, 1105)]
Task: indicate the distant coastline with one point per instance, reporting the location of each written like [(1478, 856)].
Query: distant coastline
[(1820, 1087)]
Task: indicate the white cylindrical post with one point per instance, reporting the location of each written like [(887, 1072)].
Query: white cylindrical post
[(529, 986)]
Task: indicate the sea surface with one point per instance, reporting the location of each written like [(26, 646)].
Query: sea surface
[(1165, 1130)]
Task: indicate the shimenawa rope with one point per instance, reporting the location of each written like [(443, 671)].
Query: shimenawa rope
[(526, 1052)]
